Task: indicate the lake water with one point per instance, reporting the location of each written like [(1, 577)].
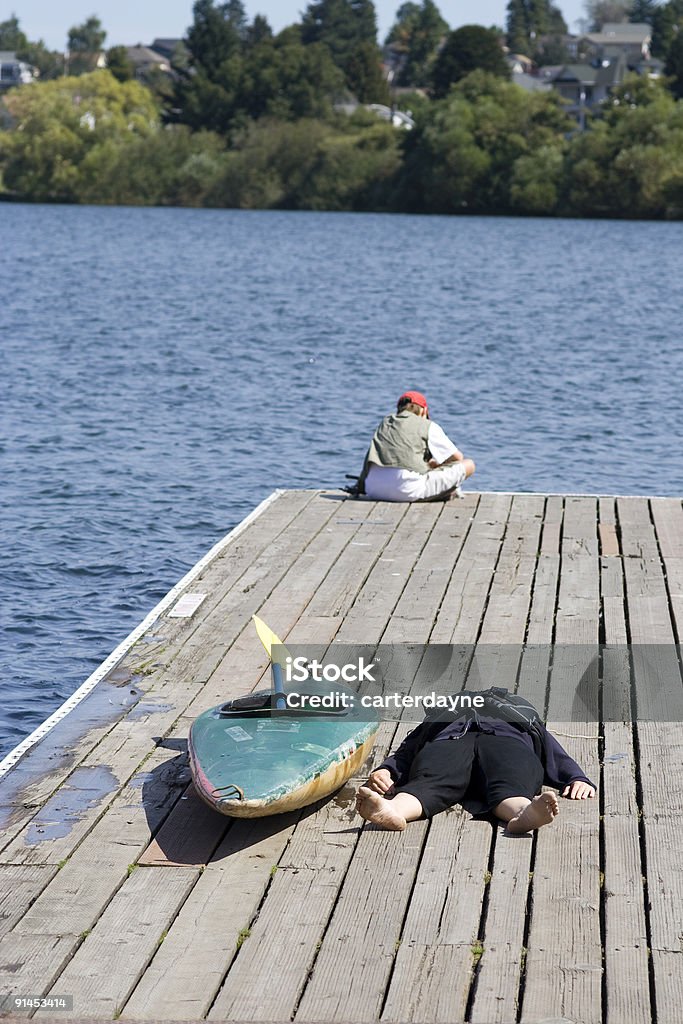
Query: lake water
[(164, 370)]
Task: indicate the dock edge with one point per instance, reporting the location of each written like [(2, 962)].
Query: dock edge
[(15, 755)]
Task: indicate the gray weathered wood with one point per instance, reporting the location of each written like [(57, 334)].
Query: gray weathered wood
[(564, 956), (626, 956), (111, 959), (425, 925)]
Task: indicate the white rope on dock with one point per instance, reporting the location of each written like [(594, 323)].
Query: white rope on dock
[(91, 682)]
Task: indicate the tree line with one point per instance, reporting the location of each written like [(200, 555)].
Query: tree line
[(255, 119)]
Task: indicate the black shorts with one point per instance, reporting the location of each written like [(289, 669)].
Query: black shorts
[(478, 770)]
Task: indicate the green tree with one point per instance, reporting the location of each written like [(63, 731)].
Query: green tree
[(206, 92), (11, 35), (667, 23), (240, 72), (311, 164), (601, 12), (469, 48), (282, 78), (119, 63), (485, 136), (169, 167), (530, 22), (48, 63), (349, 29), (642, 11), (84, 43), (66, 130), (517, 26), (629, 163), (674, 66), (215, 36), (415, 36)]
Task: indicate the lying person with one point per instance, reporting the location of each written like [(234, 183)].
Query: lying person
[(485, 764)]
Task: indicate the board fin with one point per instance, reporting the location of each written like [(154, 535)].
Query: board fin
[(271, 640)]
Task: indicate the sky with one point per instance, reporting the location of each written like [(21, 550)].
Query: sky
[(132, 21)]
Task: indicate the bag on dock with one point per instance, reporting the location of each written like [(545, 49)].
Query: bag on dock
[(500, 703)]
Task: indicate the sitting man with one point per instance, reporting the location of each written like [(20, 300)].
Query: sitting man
[(485, 764), (410, 458)]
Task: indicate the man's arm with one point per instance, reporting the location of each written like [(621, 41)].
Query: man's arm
[(455, 457), (562, 772), (442, 449)]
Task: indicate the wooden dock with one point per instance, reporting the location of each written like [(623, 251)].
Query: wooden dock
[(120, 889)]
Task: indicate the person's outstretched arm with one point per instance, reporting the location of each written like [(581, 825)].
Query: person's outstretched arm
[(562, 772)]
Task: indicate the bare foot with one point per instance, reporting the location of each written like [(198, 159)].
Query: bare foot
[(379, 811), (542, 810)]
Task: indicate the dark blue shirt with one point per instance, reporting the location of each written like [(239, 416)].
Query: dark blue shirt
[(559, 768)]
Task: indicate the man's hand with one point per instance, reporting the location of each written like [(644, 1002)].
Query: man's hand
[(380, 781), (578, 790)]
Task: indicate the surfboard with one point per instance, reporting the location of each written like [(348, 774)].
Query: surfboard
[(250, 757)]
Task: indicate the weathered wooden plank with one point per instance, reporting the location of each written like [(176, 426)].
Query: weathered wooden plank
[(20, 886), (626, 956), (189, 836), (659, 702), (189, 966), (564, 956), (535, 666), (367, 919), (667, 514), (23, 959), (552, 524), (664, 881), (498, 977), (668, 969), (439, 943), (52, 928), (460, 613), (108, 964), (498, 973)]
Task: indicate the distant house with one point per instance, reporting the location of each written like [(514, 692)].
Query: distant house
[(519, 64), (399, 118), (168, 47), (145, 59), (79, 62), (532, 83), (584, 86), (14, 71), (616, 40)]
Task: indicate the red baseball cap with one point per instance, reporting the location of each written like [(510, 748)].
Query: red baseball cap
[(417, 398)]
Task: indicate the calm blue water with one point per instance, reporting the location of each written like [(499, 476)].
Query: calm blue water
[(164, 370)]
